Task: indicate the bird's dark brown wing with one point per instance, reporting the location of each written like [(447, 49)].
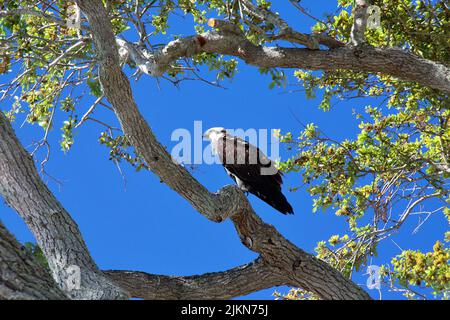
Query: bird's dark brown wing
[(253, 170)]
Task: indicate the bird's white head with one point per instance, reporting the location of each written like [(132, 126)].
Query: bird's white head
[(214, 134)]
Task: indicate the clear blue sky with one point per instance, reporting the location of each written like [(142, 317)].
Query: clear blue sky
[(145, 226)]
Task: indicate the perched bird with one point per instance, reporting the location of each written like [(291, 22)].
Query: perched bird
[(248, 166)]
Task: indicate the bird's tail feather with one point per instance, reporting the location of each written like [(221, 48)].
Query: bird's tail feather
[(276, 199)]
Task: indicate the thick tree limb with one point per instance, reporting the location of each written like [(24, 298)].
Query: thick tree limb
[(391, 61), (21, 277), (359, 22), (236, 282), (280, 262), (299, 267), (56, 233)]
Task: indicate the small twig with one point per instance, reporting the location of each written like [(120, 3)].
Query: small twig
[(90, 110)]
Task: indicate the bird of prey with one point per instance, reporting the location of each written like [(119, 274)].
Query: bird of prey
[(250, 169)]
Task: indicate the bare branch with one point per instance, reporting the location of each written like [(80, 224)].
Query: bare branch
[(228, 284), (90, 110), (392, 61), (64, 54), (286, 32)]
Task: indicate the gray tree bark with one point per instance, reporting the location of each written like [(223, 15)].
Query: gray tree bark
[(391, 61), (236, 282), (21, 277), (359, 22), (56, 233), (287, 262), (280, 262)]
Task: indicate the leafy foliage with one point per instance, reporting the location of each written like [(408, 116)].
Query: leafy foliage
[(412, 268), (400, 158), (295, 294), (36, 252), (120, 149), (375, 180)]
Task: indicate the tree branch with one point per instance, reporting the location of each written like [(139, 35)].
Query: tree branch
[(56, 233), (359, 22), (21, 277), (232, 283), (285, 31), (40, 14), (299, 267), (391, 61)]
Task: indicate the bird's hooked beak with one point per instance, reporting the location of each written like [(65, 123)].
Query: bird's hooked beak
[(213, 132)]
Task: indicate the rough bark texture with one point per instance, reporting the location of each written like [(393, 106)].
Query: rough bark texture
[(359, 22), (280, 262), (56, 233), (236, 282), (21, 277), (287, 262), (392, 61)]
